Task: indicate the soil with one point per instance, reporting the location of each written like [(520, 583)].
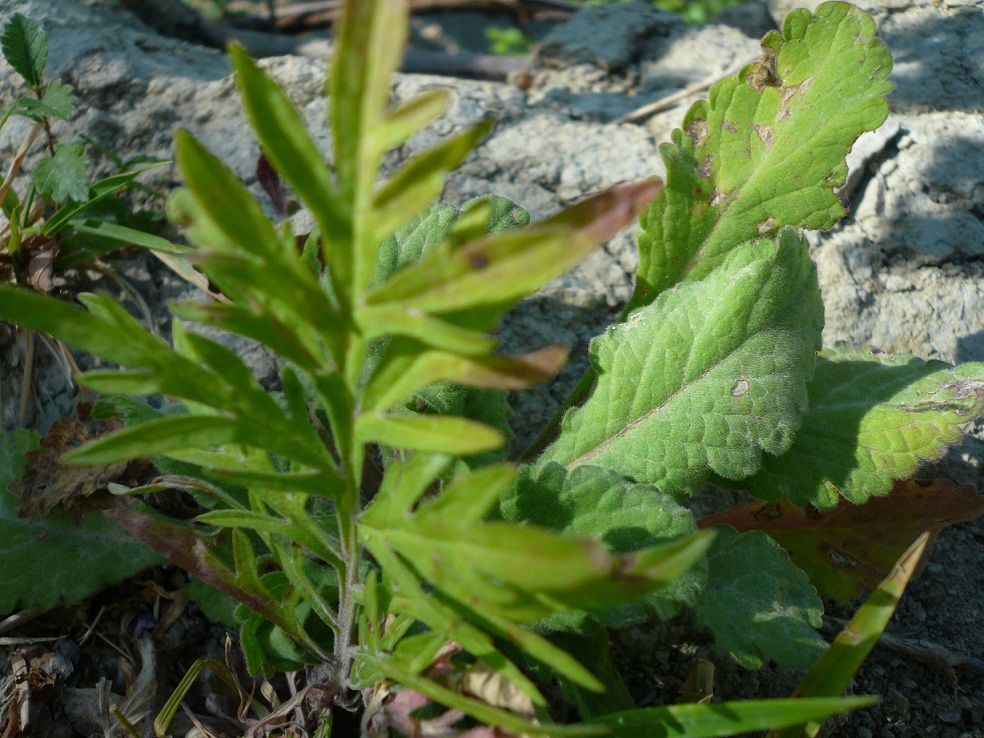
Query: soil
[(139, 638)]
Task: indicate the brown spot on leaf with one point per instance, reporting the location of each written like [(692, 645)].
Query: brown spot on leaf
[(729, 126), (478, 261), (964, 388), (763, 74), (788, 94), (697, 131), (740, 388), (764, 134), (703, 168), (767, 226)]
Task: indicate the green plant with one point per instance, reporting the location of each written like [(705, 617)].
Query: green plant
[(692, 11), (65, 220), (365, 518), (507, 41)]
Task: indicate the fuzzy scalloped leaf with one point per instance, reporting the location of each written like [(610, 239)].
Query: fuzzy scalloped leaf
[(848, 550), (414, 240), (62, 176), (598, 503), (25, 47), (708, 377), (758, 604), (42, 557), (769, 147), (873, 418)]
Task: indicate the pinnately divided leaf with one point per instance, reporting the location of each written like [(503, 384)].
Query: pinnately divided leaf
[(768, 148), (521, 573), (873, 419), (598, 503), (708, 377)]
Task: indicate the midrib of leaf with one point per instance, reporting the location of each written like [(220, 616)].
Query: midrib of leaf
[(632, 425)]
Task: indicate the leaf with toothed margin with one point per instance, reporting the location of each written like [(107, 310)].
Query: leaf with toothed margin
[(757, 603), (873, 418), (768, 148), (708, 378)]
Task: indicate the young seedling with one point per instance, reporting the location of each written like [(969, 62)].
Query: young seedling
[(64, 221)]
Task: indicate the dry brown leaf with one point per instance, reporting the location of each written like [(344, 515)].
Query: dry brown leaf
[(851, 548), (47, 483), (41, 264)]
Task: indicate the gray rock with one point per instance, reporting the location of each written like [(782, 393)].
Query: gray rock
[(608, 36), (753, 18), (904, 274)]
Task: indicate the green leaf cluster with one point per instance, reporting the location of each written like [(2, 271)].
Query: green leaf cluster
[(365, 517), (65, 219)]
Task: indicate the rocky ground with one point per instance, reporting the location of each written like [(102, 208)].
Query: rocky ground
[(904, 272)]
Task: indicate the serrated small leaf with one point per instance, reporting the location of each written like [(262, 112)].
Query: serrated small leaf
[(709, 377), (769, 147), (25, 47), (42, 562), (62, 177), (849, 549), (758, 604), (597, 503), (58, 101), (873, 418)]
